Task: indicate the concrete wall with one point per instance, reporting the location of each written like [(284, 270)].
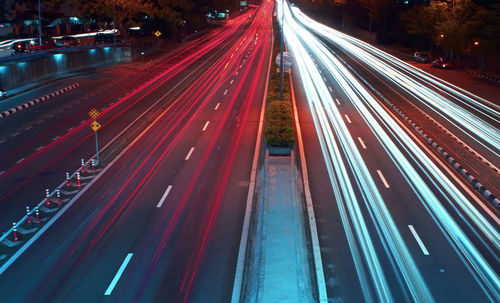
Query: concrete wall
[(16, 73)]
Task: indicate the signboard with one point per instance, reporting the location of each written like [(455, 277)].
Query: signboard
[(287, 60), (157, 33), (94, 113), (95, 126)]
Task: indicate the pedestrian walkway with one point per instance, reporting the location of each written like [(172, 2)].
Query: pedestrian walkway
[(282, 270)]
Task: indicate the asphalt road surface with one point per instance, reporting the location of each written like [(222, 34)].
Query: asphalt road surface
[(395, 221), (163, 221)]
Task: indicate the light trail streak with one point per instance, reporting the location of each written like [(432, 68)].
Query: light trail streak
[(412, 80), (324, 110)]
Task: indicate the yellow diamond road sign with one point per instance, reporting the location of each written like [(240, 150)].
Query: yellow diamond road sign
[(94, 113), (158, 33), (95, 126)]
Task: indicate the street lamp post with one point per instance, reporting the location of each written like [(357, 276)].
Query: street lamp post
[(281, 44), (39, 24)]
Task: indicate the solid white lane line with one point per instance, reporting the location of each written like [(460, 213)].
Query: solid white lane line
[(362, 143), (205, 126), (383, 179), (16, 134), (56, 138), (164, 196), (330, 88), (20, 160), (39, 148), (347, 118), (419, 241), (225, 92), (189, 154), (28, 127), (118, 274), (217, 106), (337, 100), (70, 129)]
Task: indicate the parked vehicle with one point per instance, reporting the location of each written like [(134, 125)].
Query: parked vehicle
[(47, 43), (20, 47), (422, 57), (108, 38), (67, 41), (442, 63)]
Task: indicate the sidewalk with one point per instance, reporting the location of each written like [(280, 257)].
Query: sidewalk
[(281, 271)]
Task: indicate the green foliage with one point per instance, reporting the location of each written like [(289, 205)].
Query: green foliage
[(279, 131)]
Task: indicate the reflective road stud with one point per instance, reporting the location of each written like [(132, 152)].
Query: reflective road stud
[(15, 231), (78, 179), (83, 167), (28, 217), (47, 197), (37, 216), (67, 180), (58, 194)]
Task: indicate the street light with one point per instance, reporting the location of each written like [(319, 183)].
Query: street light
[(39, 24)]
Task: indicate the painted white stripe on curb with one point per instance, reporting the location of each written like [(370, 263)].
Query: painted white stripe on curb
[(164, 196), (118, 274), (383, 179), (419, 241), (189, 153)]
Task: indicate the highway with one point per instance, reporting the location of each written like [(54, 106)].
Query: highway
[(396, 223), (162, 221)]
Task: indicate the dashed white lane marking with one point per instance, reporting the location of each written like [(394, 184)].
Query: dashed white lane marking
[(383, 179), (40, 122), (20, 160), (164, 196), (16, 134), (337, 100), (39, 148), (231, 81), (2, 141), (70, 129), (236, 73), (1, 172), (56, 138), (330, 88), (419, 241), (189, 154), (118, 274), (205, 126), (83, 121), (347, 118), (60, 111), (362, 143), (28, 127), (225, 92), (217, 106), (51, 116)]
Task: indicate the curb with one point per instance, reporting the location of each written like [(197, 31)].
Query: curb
[(457, 166), (479, 75), (311, 218), (19, 108)]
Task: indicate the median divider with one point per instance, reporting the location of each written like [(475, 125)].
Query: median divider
[(39, 100), (36, 218)]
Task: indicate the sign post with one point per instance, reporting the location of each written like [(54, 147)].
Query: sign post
[(94, 113)]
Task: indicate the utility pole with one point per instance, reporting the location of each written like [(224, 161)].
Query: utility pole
[(281, 43), (39, 23)]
